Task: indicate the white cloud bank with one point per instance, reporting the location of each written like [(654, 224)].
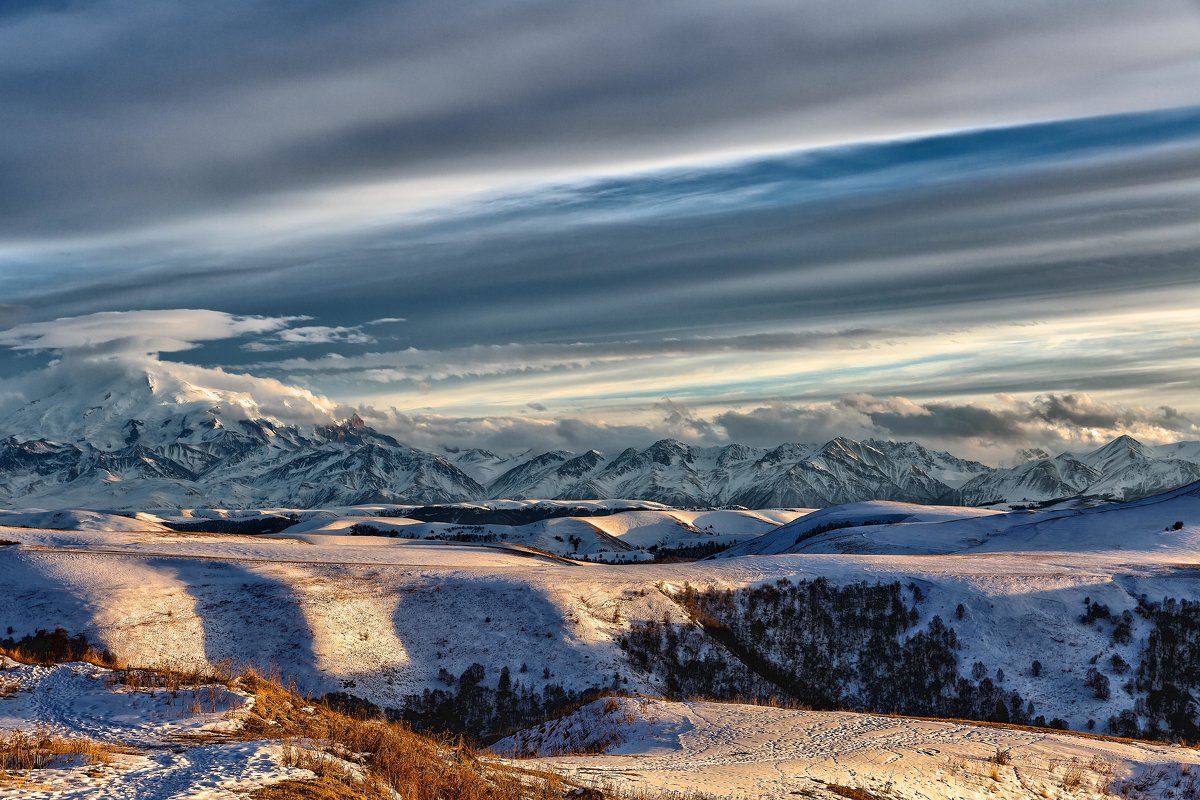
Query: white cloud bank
[(137, 332), (106, 371)]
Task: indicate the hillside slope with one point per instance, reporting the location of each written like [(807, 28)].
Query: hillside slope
[(382, 618), (753, 751)]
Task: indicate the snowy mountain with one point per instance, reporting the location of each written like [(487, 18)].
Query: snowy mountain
[(791, 475), (484, 466), (127, 432), (1123, 469), (180, 436)]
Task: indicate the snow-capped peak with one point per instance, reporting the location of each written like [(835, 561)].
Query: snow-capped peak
[(112, 402)]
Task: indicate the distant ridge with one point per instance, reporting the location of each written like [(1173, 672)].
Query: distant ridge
[(158, 442)]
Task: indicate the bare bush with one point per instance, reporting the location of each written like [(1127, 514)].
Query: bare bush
[(22, 751)]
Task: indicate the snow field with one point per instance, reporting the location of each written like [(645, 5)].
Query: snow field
[(623, 536), (155, 759), (737, 750), (380, 620)]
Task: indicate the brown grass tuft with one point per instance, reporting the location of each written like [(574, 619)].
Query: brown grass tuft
[(1002, 756), (318, 789), (22, 751), (175, 679), (853, 792)]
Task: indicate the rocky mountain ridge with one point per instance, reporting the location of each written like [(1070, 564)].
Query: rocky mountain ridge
[(165, 440)]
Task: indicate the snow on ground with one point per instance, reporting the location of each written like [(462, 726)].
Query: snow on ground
[(78, 700), (622, 536), (76, 520), (379, 617), (1146, 525), (752, 751), (814, 529)]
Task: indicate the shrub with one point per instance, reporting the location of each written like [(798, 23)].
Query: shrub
[(51, 647), (1098, 682), (816, 645)]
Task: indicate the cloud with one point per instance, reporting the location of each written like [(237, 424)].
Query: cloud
[(942, 232), (478, 360), (312, 335), (507, 434), (901, 417), (114, 356), (680, 422), (194, 117), (96, 352), (989, 431), (11, 314), (1082, 410), (137, 332), (777, 423)]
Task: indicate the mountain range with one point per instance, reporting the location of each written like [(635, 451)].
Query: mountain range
[(160, 442)]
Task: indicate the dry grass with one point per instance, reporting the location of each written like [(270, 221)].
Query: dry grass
[(318, 789), (22, 751), (174, 679), (92, 656), (200, 687), (853, 792), (1072, 776), (1101, 766), (371, 759), (351, 758), (1048, 778)]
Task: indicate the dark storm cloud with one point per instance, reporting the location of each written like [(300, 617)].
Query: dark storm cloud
[(868, 416), (767, 426), (121, 115), (1082, 410), (1049, 420), (946, 420), (11, 314)]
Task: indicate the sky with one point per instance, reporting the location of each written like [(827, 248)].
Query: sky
[(545, 225)]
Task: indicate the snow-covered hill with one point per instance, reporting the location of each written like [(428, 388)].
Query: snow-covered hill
[(1169, 522), (625, 536), (733, 750), (382, 618)]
